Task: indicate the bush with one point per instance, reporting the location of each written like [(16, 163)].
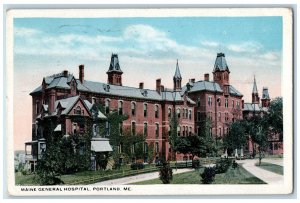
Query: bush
[(222, 165), (208, 175), (136, 166), (196, 163), (234, 165), (166, 173)]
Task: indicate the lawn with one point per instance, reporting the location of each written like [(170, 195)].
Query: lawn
[(271, 167), (85, 177), (237, 176)]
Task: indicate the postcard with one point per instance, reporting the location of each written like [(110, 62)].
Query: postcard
[(149, 101)]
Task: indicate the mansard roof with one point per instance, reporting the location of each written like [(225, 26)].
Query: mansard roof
[(220, 63), (265, 93), (114, 64), (252, 107)]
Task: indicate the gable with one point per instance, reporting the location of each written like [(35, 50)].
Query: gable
[(79, 108)]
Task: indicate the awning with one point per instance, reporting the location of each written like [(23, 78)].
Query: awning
[(101, 146), (58, 128)]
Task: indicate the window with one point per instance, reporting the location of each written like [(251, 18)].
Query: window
[(169, 131), (145, 129), (133, 107), (198, 130), (156, 111), (226, 103), (178, 113), (156, 130), (198, 102), (145, 110), (78, 110), (186, 113), (74, 128), (232, 103), (238, 104), (120, 108), (107, 104), (145, 147), (209, 101), (133, 128), (190, 114), (107, 128), (198, 116), (219, 101), (121, 128), (226, 117), (219, 116), (183, 131), (220, 132), (190, 131), (186, 130), (178, 131), (169, 112), (183, 113), (156, 147), (37, 107)]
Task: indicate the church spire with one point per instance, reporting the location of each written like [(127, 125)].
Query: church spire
[(254, 90), (177, 78), (255, 97)]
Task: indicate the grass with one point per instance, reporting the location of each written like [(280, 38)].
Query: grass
[(232, 176), (271, 167), (85, 177)]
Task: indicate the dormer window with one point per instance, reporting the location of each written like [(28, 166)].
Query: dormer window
[(77, 111), (106, 87)]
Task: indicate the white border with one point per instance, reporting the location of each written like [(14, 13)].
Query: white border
[(287, 87)]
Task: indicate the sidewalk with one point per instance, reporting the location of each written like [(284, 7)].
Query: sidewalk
[(138, 178), (264, 175)]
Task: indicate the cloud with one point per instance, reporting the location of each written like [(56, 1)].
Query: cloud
[(25, 32), (210, 43), (249, 47)]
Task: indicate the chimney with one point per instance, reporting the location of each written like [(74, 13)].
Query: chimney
[(93, 100), (52, 101), (242, 104), (65, 73), (192, 80), (141, 86), (162, 88), (81, 73), (206, 76), (158, 84)]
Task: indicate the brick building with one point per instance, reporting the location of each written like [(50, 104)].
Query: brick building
[(67, 100), (259, 107)]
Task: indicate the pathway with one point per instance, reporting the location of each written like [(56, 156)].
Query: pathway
[(138, 178), (266, 176)]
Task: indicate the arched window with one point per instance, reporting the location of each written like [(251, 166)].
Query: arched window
[(183, 131), (121, 128), (186, 113), (133, 108), (120, 108), (178, 113), (145, 110), (178, 131), (190, 131), (190, 114), (156, 111), (133, 129), (219, 116), (156, 130), (198, 102), (78, 110), (145, 129), (169, 112), (107, 104)]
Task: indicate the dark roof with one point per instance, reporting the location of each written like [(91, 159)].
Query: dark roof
[(254, 90), (265, 93), (114, 64), (220, 63), (177, 74)]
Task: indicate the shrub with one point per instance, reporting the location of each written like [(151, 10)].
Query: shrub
[(136, 166), (166, 173), (222, 165), (196, 163), (234, 165), (208, 175)]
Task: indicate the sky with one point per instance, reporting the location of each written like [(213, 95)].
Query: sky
[(148, 49)]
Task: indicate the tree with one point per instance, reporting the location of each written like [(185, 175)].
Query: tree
[(165, 173), (173, 134), (274, 117), (237, 137)]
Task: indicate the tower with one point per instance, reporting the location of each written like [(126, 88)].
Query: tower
[(255, 97), (177, 78), (221, 72), (265, 100), (114, 72)]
